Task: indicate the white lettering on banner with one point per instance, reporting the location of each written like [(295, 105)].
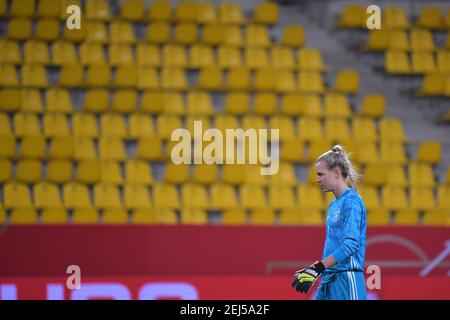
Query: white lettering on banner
[(55, 291), (115, 291), (181, 290), (8, 292)]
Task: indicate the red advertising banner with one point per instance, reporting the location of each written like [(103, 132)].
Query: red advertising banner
[(206, 288), (100, 250)]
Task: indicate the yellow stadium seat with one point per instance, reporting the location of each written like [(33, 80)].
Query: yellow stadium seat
[(76, 195), (98, 76), (262, 217), (22, 8), (114, 216), (234, 217), (422, 198), (166, 124), (59, 101), (229, 57), (423, 62), (281, 197), (310, 197), (173, 104), (266, 12), (422, 40), (310, 59), (210, 78), (421, 175), (310, 82), (23, 216), (231, 13), (399, 41), (36, 52), (186, 11), (252, 197), (290, 217), (61, 148), (46, 195), (92, 54), (406, 217), (173, 79), (158, 32), (253, 176), (391, 130), (363, 129), (176, 173), (311, 217), (88, 171), (285, 81), (126, 76), (5, 170), (238, 78), (232, 36), (160, 10), (353, 16), (8, 149), (392, 152), (206, 13), (147, 79), (347, 82), (225, 121), (49, 8), (316, 148), (394, 198), (47, 30), (84, 149), (293, 36), (337, 106), (434, 84), (31, 101), (34, 76), (379, 217), (282, 58), (107, 196), (26, 124), (213, 34), (16, 195), (5, 127), (140, 125), (8, 76), (396, 62), (85, 216), (310, 129), (122, 32), (111, 148), (256, 58), (430, 18), (144, 216), (285, 176), (337, 129), (395, 176), (223, 196), (84, 125), (199, 103), (370, 154), (194, 196), (237, 103), (147, 55), (132, 10), (395, 18), (120, 54), (434, 218), (185, 33), (296, 104), (174, 55), (112, 125), (56, 125), (429, 152), (110, 173), (98, 10), (443, 61), (205, 173), (193, 216), (165, 196), (285, 125), (19, 29), (59, 171), (201, 56), (370, 197), (149, 148), (10, 53), (124, 101), (265, 103), (3, 7), (443, 197), (32, 147), (373, 105), (54, 216), (257, 36), (71, 76), (63, 52), (233, 174), (378, 40), (292, 150), (138, 172)]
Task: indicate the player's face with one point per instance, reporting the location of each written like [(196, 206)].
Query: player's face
[(326, 178)]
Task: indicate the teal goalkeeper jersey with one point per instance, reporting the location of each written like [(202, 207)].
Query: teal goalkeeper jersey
[(346, 233)]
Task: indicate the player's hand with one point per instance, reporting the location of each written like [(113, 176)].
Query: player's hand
[(305, 278)]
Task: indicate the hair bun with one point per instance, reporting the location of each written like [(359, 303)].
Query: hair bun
[(337, 148)]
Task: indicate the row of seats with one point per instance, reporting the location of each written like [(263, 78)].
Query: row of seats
[(60, 170), (57, 100), (84, 124), (200, 217), (435, 84), (394, 18), (174, 78), (415, 41), (120, 32), (218, 196), (195, 56), (265, 12), (399, 62)]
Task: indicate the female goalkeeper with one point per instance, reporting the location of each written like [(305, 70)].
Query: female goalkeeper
[(342, 261)]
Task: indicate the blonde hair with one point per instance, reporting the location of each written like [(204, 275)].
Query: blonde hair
[(338, 157)]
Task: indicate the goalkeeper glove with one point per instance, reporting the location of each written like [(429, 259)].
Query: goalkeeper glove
[(305, 278)]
